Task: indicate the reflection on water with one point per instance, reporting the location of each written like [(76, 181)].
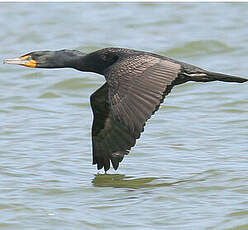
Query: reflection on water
[(123, 181)]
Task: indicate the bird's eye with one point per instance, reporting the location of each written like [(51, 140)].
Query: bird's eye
[(29, 58)]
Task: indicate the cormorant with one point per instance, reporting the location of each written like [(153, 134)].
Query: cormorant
[(136, 84)]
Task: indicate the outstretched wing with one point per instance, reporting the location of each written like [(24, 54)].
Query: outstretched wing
[(137, 86), (111, 140)]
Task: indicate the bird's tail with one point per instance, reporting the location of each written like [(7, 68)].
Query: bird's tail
[(225, 77), (207, 76)]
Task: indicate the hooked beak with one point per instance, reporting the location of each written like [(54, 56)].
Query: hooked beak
[(21, 61)]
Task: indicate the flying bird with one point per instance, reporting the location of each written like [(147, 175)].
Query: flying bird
[(136, 84)]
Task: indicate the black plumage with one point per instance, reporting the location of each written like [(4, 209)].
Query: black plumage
[(136, 84)]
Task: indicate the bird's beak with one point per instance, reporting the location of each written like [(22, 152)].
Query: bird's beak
[(25, 61)]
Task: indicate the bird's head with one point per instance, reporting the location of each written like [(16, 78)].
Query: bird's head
[(46, 59)]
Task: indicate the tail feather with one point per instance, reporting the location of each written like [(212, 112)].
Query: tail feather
[(224, 77), (206, 76)]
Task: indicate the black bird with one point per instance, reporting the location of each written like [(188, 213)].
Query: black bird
[(136, 84)]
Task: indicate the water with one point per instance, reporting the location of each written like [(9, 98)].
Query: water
[(188, 169)]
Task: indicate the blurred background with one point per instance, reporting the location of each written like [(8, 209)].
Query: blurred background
[(189, 168)]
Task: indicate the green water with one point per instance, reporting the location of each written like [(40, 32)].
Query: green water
[(189, 168)]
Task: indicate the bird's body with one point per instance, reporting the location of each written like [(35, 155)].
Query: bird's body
[(136, 84)]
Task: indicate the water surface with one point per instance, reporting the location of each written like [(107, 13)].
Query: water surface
[(188, 169)]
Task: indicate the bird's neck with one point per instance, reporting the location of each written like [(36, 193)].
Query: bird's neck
[(95, 62), (86, 63), (77, 60)]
